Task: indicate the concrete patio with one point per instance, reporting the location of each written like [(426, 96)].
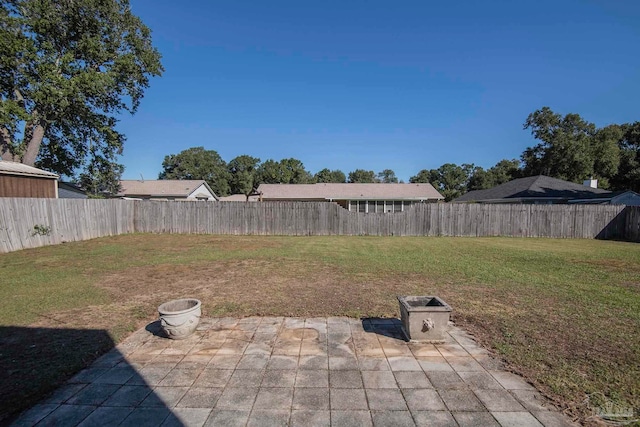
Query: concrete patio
[(266, 371)]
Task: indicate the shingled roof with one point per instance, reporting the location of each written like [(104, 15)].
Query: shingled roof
[(332, 191), (14, 168), (532, 188), (160, 188)]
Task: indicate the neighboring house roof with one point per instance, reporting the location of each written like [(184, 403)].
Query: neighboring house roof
[(69, 191), (532, 188), (626, 197), (163, 188), (14, 168), (331, 191), (238, 198)]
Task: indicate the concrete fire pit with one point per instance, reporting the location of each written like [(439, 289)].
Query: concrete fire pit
[(179, 318), (424, 318)]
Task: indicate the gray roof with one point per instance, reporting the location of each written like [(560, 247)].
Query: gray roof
[(331, 191), (70, 191), (161, 187), (532, 188), (628, 197), (14, 168)]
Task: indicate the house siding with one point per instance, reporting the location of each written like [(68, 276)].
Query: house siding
[(28, 186), (202, 189)]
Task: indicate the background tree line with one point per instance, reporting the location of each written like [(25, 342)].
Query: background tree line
[(243, 174), (569, 148)]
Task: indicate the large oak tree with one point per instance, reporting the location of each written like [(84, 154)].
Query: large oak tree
[(243, 171), (68, 68), (571, 148)]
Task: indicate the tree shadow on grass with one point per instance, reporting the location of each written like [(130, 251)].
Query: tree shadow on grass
[(43, 371)]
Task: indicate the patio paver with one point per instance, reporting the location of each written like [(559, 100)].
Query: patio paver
[(299, 372), (304, 418)]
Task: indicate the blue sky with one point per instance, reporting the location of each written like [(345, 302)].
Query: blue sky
[(375, 85)]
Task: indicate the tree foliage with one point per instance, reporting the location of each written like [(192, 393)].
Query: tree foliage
[(449, 179), (362, 176), (387, 176), (326, 175), (628, 176), (295, 172), (422, 177), (501, 172), (198, 163), (570, 148), (67, 69), (101, 178), (243, 171), (286, 171)]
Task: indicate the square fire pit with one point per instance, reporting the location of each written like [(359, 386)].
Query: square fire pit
[(424, 318)]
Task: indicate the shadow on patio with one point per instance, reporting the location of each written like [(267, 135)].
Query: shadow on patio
[(48, 362)]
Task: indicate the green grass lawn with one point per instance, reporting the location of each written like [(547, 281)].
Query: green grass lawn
[(563, 313)]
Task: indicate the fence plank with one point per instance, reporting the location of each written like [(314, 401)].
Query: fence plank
[(632, 224), (78, 219)]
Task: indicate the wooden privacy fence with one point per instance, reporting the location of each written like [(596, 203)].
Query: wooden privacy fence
[(28, 223), (36, 222)]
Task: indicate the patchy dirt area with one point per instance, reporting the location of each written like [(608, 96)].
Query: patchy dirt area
[(239, 288)]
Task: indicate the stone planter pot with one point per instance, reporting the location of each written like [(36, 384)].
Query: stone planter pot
[(424, 318), (179, 318)]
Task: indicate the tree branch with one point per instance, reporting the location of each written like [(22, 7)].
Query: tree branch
[(19, 97), (33, 145), (5, 145)]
